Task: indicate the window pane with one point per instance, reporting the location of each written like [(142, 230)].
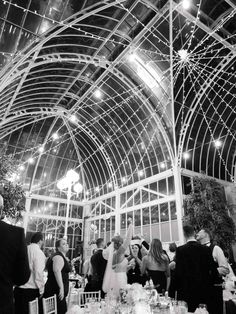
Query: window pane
[(146, 216), (154, 214), (164, 212)]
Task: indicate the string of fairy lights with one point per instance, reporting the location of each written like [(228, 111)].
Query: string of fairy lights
[(105, 143), (193, 63), (198, 68)]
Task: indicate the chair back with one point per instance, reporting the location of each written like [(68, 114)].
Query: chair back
[(83, 297), (34, 307), (50, 305)]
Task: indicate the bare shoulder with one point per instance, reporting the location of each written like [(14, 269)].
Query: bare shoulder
[(57, 258)]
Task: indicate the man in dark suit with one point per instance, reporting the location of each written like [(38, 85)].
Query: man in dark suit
[(14, 265), (195, 272), (98, 267)]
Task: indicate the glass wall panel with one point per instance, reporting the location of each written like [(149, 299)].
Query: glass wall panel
[(155, 231), (164, 212), (165, 232)]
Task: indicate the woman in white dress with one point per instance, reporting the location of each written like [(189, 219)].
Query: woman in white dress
[(115, 277)]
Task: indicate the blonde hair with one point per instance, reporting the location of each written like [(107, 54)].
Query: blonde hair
[(118, 241)]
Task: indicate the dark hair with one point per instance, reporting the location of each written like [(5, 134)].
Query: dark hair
[(208, 232), (139, 251), (188, 231), (172, 247), (57, 244), (99, 241), (38, 236), (156, 251)]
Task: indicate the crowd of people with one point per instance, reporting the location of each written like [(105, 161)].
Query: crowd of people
[(192, 272)]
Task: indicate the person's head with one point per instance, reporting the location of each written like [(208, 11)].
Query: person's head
[(156, 250), (204, 235), (135, 250), (188, 231), (118, 241), (172, 247), (100, 243), (135, 247), (37, 238), (62, 246)]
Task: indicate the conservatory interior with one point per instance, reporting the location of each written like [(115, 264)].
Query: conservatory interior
[(110, 108)]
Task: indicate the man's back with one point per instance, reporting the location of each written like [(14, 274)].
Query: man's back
[(14, 266), (98, 265), (195, 273)]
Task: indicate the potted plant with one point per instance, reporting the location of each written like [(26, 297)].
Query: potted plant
[(11, 191), (206, 207)]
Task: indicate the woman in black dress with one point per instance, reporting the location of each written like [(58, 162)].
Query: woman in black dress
[(156, 265), (58, 276), (135, 262)]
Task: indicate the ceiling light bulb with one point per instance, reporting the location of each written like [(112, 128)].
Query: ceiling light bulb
[(186, 155), (41, 149), (140, 173), (162, 165), (183, 54), (22, 168), (31, 160), (73, 118), (55, 136), (98, 93), (123, 179), (218, 143), (186, 4)]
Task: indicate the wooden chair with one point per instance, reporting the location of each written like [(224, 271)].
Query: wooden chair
[(34, 306), (83, 297), (50, 305)]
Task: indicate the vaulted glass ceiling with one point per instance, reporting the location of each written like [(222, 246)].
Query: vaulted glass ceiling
[(117, 90)]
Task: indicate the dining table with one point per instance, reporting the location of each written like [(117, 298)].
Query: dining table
[(107, 306)]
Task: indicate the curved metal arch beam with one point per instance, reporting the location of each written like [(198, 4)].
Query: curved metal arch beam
[(224, 123), (69, 26), (111, 33), (76, 149), (20, 84), (40, 154), (43, 110), (25, 124), (190, 74), (24, 112), (204, 137), (197, 100), (82, 15), (52, 112), (109, 67)]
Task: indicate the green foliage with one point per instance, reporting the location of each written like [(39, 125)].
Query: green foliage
[(12, 192), (206, 207)]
